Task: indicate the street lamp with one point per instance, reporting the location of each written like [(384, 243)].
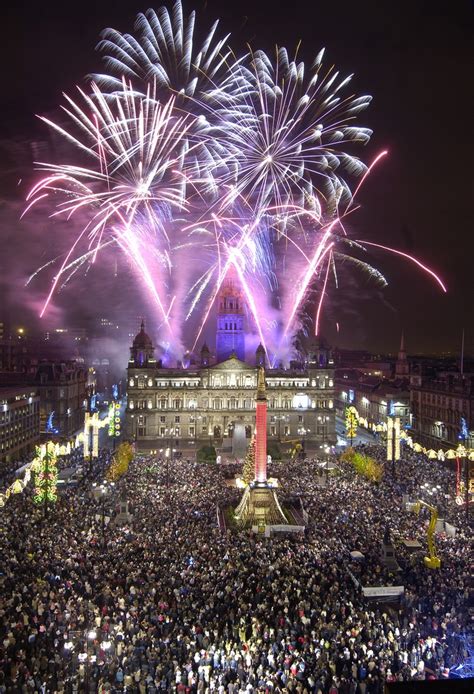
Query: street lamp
[(103, 490)]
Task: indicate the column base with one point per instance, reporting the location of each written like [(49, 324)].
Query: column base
[(259, 507)]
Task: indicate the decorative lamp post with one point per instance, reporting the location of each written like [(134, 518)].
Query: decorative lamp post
[(103, 490)]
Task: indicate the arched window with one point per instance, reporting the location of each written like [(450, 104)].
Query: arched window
[(163, 403)]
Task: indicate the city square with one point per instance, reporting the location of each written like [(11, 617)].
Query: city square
[(236, 357)]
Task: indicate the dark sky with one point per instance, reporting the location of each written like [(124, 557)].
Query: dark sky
[(414, 57)]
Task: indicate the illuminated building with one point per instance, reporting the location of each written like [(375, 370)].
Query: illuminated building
[(372, 394), (62, 389), (19, 421), (230, 337), (440, 402), (184, 408)]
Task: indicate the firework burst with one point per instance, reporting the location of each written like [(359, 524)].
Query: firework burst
[(290, 141), (135, 161), (164, 51), (210, 164)]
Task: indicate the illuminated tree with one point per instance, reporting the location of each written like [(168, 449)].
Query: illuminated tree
[(364, 465), (352, 419), (46, 476), (248, 472), (120, 462)]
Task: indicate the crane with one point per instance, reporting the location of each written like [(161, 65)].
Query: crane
[(433, 561)]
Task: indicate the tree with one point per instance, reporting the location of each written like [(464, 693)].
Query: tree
[(120, 462), (364, 465), (273, 449), (206, 454), (46, 476), (248, 471), (352, 419)]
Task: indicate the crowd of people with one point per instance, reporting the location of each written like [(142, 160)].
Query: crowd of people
[(172, 602)]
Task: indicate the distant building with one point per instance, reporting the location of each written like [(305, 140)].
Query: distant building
[(62, 391), (15, 355), (374, 395), (442, 406), (19, 422), (212, 402)]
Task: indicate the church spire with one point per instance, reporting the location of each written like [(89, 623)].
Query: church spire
[(401, 367)]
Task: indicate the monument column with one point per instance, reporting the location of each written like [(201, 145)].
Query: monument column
[(259, 506), (261, 431)]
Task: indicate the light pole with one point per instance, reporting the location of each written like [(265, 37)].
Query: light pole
[(103, 490)]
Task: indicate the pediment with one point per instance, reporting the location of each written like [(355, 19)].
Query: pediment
[(232, 364)]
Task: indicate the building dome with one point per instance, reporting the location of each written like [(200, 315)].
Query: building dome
[(142, 340), (260, 355), (142, 349)]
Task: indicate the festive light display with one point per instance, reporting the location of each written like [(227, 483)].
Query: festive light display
[(248, 472), (464, 669), (352, 420), (364, 465), (46, 475), (120, 462), (19, 485), (192, 162), (114, 419)]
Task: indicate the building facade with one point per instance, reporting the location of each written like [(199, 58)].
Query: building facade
[(184, 408), (19, 422), (374, 398), (62, 391), (443, 409), (376, 392)]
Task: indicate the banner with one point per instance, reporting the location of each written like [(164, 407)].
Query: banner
[(383, 591)]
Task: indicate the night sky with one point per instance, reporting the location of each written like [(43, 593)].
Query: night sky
[(414, 57)]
